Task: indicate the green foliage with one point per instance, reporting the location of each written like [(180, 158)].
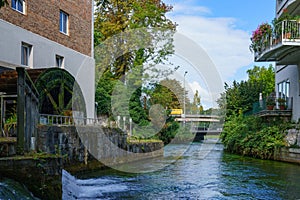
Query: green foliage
[(169, 131), (103, 93), (264, 77), (114, 17), (136, 110), (10, 123), (252, 137), (196, 105), (168, 93), (239, 97)]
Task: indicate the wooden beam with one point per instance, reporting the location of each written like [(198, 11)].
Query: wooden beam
[(21, 111)]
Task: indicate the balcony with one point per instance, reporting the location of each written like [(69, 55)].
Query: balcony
[(280, 109), (282, 45)]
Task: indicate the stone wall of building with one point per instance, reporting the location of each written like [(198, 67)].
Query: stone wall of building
[(42, 18)]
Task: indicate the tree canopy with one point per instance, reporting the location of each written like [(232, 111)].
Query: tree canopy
[(240, 96), (196, 106), (168, 93), (114, 17)]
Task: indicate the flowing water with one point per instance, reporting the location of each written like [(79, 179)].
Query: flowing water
[(212, 175), (13, 190)]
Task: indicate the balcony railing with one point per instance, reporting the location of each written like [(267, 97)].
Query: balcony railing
[(285, 34), (261, 108)]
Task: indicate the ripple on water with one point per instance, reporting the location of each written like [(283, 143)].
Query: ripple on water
[(216, 176)]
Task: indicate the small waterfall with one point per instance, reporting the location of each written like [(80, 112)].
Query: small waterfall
[(96, 188), (70, 188)]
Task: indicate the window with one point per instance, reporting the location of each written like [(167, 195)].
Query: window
[(26, 54), (63, 22), (18, 5), (59, 61), (284, 89)]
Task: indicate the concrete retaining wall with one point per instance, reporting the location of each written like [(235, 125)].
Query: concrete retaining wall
[(288, 155)]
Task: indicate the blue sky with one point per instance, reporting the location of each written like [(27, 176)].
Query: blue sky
[(240, 19), (223, 29)]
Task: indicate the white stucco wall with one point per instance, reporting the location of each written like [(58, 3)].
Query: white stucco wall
[(82, 67), (290, 72)]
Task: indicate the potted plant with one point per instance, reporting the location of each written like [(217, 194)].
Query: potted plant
[(281, 103), (260, 37), (270, 103)]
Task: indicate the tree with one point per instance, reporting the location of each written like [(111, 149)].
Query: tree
[(136, 110), (118, 16), (239, 97), (168, 93), (115, 17), (262, 77), (103, 93), (196, 105)]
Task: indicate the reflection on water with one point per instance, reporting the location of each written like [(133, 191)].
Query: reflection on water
[(195, 175)]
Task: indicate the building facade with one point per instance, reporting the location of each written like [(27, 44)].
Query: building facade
[(282, 46), (52, 33)]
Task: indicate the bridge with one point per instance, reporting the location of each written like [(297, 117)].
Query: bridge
[(200, 130), (196, 118)]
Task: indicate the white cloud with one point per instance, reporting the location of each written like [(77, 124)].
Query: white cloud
[(226, 45), (207, 99), (185, 9)]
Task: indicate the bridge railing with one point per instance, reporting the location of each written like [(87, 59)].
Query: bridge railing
[(195, 116)]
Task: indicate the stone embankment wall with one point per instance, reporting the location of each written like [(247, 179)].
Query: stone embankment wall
[(290, 153), (76, 149), (88, 143)]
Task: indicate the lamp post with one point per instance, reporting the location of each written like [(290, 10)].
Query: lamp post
[(184, 93)]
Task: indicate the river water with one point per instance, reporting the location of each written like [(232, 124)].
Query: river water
[(213, 175)]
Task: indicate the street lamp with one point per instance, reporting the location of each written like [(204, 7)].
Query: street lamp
[(184, 93)]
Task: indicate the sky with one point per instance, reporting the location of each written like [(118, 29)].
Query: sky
[(222, 28)]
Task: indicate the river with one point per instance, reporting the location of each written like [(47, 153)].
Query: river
[(195, 175)]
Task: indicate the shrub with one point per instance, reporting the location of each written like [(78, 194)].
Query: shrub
[(252, 137)]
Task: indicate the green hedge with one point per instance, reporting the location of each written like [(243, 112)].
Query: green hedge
[(252, 137)]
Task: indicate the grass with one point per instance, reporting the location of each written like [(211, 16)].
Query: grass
[(139, 141), (8, 139), (212, 136)]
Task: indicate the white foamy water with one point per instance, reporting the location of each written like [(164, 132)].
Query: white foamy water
[(89, 188)]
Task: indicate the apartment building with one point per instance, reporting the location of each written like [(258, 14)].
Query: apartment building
[(282, 46), (52, 33)]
